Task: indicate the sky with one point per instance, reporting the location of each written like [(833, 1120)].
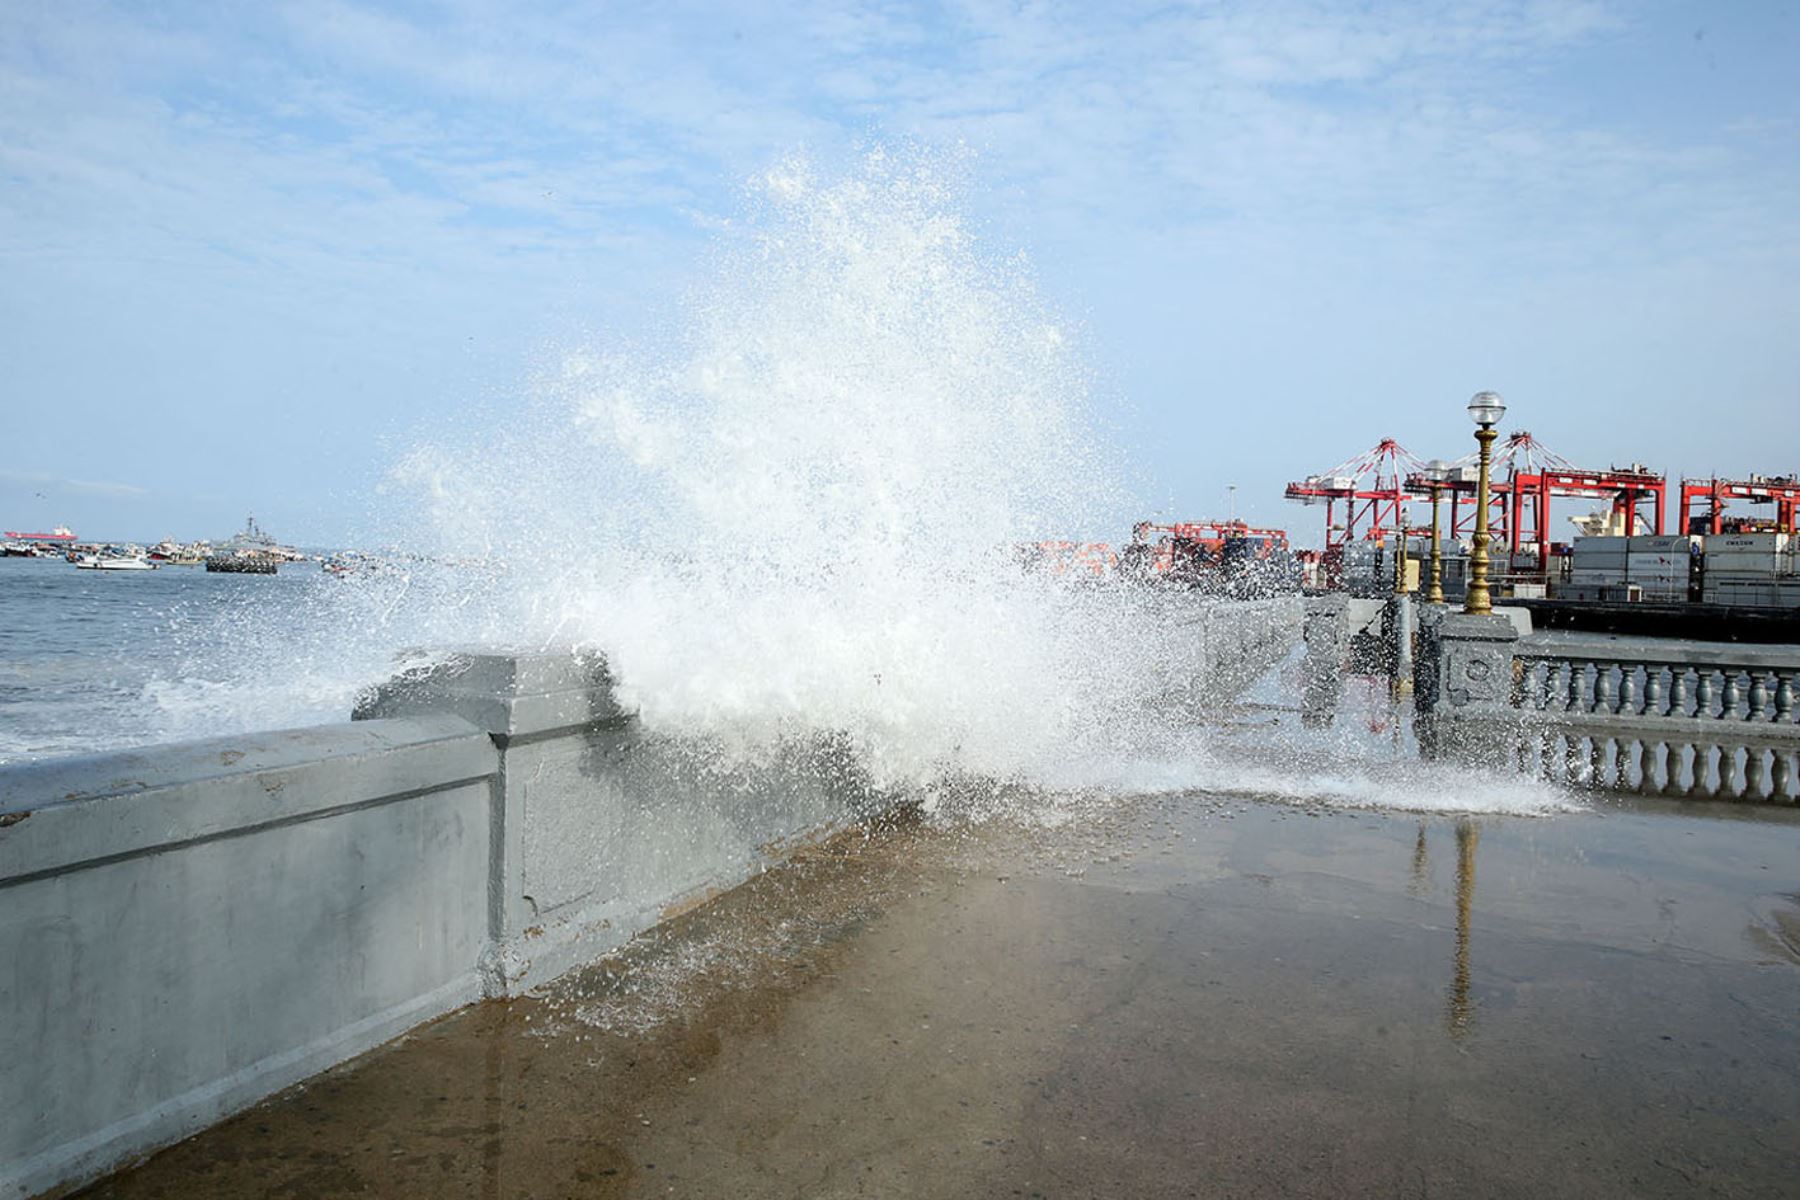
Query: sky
[(248, 251)]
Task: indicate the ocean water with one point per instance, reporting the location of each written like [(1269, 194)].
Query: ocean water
[(99, 660), (81, 651)]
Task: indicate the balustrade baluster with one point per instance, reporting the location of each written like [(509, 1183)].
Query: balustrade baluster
[(1676, 764), (1753, 773), (1552, 676), (1603, 688), (1577, 689), (1731, 784), (1572, 760), (1649, 755), (1653, 693), (1621, 762), (1703, 691), (1781, 778), (1627, 701), (1784, 697), (1759, 696), (1677, 690), (1728, 699), (1596, 761)]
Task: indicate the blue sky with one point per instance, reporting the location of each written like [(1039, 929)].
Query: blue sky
[(247, 251)]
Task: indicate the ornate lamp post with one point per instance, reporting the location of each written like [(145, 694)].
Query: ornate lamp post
[(1435, 593), (1485, 409)]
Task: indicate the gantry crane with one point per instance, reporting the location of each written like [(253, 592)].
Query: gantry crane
[(1703, 501), (1371, 488)]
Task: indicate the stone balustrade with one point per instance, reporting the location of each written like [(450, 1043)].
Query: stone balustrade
[(1663, 717), (1671, 718)]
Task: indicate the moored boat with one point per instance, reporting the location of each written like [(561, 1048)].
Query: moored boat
[(96, 562)]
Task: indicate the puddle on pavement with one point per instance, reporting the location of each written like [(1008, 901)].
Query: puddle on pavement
[(1185, 996)]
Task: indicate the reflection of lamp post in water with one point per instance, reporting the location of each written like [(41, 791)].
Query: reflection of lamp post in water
[(1485, 409), (1460, 1010), (1421, 865)]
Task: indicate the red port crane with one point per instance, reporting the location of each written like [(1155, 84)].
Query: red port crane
[(1703, 501), (1372, 489)]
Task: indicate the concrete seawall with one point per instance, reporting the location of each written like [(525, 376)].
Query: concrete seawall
[(186, 929)]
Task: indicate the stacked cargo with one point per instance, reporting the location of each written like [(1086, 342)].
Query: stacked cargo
[(1660, 567), (1597, 570), (1362, 568), (1651, 569), (1750, 570)]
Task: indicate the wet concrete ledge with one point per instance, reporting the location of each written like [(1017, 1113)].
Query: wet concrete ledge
[(187, 929)]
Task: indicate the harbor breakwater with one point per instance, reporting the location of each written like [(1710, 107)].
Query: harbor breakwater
[(189, 928)]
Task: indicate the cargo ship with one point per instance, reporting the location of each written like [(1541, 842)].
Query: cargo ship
[(60, 534)]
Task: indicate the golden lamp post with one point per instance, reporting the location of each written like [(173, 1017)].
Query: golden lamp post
[(1435, 593), (1485, 409)]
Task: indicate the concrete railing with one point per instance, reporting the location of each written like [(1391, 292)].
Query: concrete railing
[(1662, 717), (186, 929)]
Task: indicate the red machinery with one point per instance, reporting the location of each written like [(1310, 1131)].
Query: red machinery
[(1200, 539), (1372, 489), (1083, 560), (1708, 496)]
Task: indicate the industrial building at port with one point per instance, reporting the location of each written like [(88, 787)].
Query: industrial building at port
[(1733, 544)]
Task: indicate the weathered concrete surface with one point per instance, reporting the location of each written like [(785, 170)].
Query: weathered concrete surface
[(1189, 997), (185, 930), (599, 824), (188, 928)]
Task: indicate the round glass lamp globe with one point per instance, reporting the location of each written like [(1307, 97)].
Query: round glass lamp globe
[(1486, 408)]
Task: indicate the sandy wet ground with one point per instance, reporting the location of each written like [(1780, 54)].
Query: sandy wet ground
[(1187, 997)]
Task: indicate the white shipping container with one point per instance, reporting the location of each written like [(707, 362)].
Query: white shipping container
[(1596, 578), (1756, 543), (1768, 560), (1660, 544)]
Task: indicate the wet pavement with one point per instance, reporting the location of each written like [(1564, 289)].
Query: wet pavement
[(1185, 996)]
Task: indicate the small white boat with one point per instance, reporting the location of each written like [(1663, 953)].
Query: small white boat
[(114, 564)]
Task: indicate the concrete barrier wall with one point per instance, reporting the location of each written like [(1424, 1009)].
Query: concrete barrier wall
[(186, 929), (600, 824)]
